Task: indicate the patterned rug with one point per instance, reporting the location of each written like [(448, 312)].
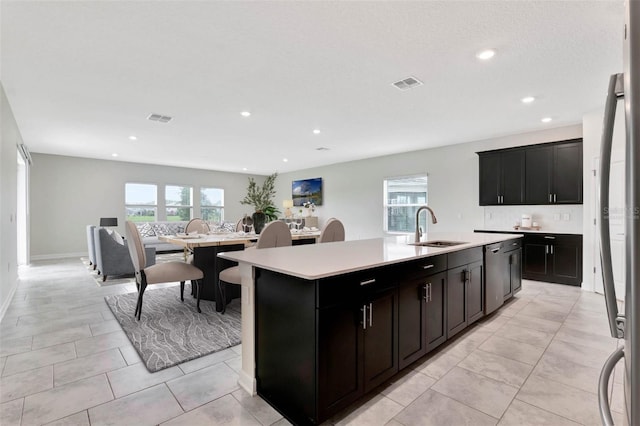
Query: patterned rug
[(128, 279), (170, 331)]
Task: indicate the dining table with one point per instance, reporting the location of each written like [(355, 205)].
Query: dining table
[(205, 249)]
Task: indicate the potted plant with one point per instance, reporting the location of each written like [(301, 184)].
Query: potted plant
[(261, 198)]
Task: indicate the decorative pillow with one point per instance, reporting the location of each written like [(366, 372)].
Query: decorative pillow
[(173, 228), (117, 237), (160, 228), (228, 226), (145, 229)]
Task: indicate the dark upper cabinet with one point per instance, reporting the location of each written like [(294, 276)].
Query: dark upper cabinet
[(536, 174), (502, 177), (553, 173)]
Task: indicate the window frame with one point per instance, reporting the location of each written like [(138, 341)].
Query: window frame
[(141, 206), (211, 208), (386, 205), (178, 206)]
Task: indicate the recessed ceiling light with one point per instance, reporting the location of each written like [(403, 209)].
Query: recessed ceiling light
[(285, 159), (528, 99), (114, 155), (486, 54), (245, 113), (133, 138), (546, 119), (316, 131), (244, 169)]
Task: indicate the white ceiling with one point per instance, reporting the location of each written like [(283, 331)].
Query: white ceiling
[(83, 76)]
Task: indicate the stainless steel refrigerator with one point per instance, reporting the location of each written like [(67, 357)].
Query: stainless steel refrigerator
[(623, 325)]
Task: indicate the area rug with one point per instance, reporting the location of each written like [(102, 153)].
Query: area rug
[(128, 279), (170, 331)]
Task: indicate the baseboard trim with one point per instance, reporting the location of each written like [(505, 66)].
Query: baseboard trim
[(57, 256), (9, 299)]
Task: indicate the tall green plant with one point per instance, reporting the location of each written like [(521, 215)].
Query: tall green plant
[(261, 197)]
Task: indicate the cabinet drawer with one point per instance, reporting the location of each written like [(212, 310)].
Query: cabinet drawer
[(352, 286), (423, 267), (463, 257)]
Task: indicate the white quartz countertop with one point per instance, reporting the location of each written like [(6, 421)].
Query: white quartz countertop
[(314, 261)]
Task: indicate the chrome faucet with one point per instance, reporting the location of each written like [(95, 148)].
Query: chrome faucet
[(433, 220)]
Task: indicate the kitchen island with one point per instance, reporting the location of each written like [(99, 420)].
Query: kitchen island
[(323, 324)]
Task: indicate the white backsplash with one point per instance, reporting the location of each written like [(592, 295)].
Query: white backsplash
[(561, 218)]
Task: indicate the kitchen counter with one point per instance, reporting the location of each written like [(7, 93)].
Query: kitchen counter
[(319, 261), (316, 261), (528, 231)]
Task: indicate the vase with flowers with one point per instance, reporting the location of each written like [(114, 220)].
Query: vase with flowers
[(309, 208), (261, 198)]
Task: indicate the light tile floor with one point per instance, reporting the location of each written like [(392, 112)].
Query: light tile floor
[(65, 361)]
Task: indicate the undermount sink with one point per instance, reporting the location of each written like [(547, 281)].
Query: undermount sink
[(438, 243)]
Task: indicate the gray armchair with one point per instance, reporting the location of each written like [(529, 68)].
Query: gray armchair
[(113, 258), (91, 246)]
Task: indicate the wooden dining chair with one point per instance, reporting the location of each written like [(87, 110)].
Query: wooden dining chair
[(160, 272), (274, 234), (333, 231)]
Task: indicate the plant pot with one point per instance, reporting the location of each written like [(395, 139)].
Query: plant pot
[(259, 220)]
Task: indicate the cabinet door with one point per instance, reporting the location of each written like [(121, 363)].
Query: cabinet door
[(490, 178), (513, 168), (515, 270), (340, 369), (538, 164), (567, 173), (536, 259), (412, 321), (567, 261), (436, 312), (456, 300), (475, 292), (381, 339)]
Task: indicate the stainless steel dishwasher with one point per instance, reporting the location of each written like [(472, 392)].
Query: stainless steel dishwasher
[(495, 275)]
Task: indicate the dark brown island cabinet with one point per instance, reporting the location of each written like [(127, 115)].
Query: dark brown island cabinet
[(323, 344), (541, 174)]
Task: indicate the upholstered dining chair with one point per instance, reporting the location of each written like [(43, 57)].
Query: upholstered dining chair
[(245, 222), (160, 272), (333, 230), (194, 225), (274, 234)]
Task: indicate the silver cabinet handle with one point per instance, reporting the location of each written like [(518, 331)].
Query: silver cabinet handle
[(546, 249), (430, 298), (554, 198), (371, 281), (615, 91), (428, 266), (549, 197), (370, 314), (549, 237), (495, 250), (364, 317), (551, 249), (603, 386), (514, 244), (425, 296), (498, 197)]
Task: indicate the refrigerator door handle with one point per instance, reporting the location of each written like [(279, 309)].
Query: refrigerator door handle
[(616, 324), (603, 386)]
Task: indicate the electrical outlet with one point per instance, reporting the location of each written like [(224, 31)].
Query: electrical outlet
[(489, 216), (566, 216), (556, 216)]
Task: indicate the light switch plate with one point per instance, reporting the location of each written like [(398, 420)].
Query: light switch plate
[(556, 216), (566, 216)]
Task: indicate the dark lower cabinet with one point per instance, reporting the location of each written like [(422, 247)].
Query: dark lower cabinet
[(555, 258), (515, 272), (465, 292), (422, 316)]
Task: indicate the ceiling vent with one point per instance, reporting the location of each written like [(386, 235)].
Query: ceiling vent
[(407, 83), (322, 148), (160, 118)]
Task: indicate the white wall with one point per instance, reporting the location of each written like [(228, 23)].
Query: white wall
[(9, 140), (353, 191), (592, 129), (68, 193)]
